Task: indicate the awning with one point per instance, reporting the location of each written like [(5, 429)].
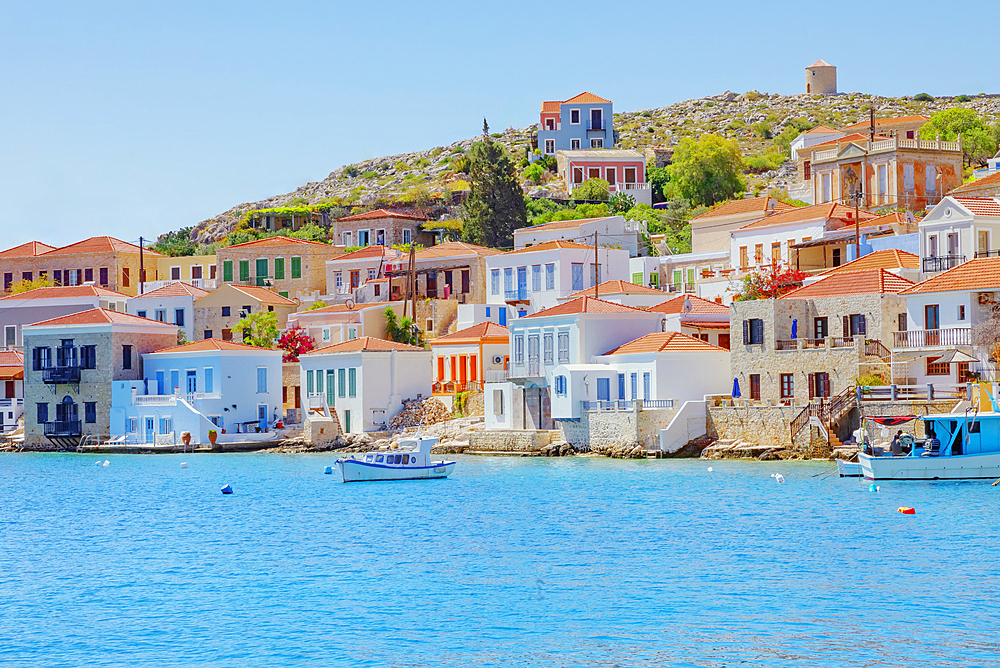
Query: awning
[(11, 373), (891, 420), (955, 356)]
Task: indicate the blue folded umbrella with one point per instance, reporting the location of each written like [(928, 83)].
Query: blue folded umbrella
[(736, 388), (795, 328)]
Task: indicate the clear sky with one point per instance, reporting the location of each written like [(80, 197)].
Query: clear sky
[(135, 118)]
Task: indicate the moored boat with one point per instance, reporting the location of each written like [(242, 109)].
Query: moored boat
[(848, 469), (409, 459)]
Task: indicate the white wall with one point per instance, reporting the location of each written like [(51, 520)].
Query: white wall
[(490, 393), (768, 235), (470, 315), (170, 304)]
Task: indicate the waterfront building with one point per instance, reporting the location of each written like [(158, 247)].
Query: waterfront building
[(363, 383), (173, 303), (217, 313), (957, 230), (210, 384), (12, 377), (40, 304), (70, 364), (465, 359), (696, 317), (381, 228), (293, 268), (610, 231)]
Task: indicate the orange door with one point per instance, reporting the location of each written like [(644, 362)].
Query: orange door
[(440, 377), (463, 368), (473, 368), (454, 367)]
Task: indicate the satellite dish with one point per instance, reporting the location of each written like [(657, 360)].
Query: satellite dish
[(687, 305)]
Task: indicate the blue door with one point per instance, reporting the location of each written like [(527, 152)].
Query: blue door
[(503, 316), (161, 382), (603, 389), (262, 417), (621, 386), (150, 430), (522, 282), (192, 381)]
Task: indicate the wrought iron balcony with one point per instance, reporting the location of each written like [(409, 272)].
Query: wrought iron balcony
[(931, 265), (63, 428), (61, 374)]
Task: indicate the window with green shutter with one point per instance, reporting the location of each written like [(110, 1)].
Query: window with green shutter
[(227, 271), (331, 391), (352, 382), (296, 267), (261, 271), (244, 270), (279, 267), (309, 383), (637, 278), (283, 293), (319, 383), (342, 381), (654, 279)]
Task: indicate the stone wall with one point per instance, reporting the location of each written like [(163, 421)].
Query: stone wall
[(441, 312), (512, 440), (320, 429), (599, 430)]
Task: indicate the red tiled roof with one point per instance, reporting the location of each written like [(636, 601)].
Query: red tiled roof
[(891, 258), (342, 308), (991, 181), (551, 245), (828, 211), (550, 106), (29, 249), (820, 63), (264, 295), (668, 342), (980, 206), (587, 98), (617, 287), (270, 242), (362, 344), (863, 282), (383, 213), (64, 292), (979, 274), (822, 129), (736, 207), (898, 120), (474, 334), (586, 305), (454, 248), (100, 245), (211, 344), (175, 289), (369, 252), (11, 365), (101, 316), (698, 305)]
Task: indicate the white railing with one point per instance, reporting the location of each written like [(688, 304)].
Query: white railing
[(201, 396), (823, 155), (495, 376), (627, 187), (318, 401), (10, 403), (886, 145), (203, 283), (156, 400)]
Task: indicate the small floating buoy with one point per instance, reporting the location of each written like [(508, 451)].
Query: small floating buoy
[(872, 488), (906, 510), (227, 490), (106, 463), (778, 477), (328, 470), (97, 463), (709, 469), (184, 465)]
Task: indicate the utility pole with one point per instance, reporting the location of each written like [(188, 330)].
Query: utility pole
[(413, 283), (597, 269), (142, 271), (857, 226)]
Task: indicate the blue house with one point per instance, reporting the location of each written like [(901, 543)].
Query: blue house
[(581, 122), (230, 387)]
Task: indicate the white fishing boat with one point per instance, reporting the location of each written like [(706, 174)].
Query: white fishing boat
[(410, 459), (849, 469)]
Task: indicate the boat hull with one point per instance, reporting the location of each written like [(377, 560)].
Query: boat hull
[(352, 470), (848, 469), (961, 467)]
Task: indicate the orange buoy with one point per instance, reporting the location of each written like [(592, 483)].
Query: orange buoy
[(906, 510)]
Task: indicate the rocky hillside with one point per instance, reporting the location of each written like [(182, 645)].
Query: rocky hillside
[(753, 119)]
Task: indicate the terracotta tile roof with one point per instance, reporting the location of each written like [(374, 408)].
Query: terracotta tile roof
[(100, 245), (273, 242), (551, 245), (175, 289), (980, 274), (264, 295), (383, 213), (980, 206), (11, 365), (454, 248), (101, 316), (65, 292), (898, 120), (587, 98), (586, 305), (667, 342), (825, 212), (888, 219), (29, 249), (863, 282), (736, 207), (705, 324), (820, 63), (698, 305), (342, 308), (362, 344), (557, 225), (618, 287), (991, 181), (474, 334), (550, 106), (891, 258), (211, 344), (822, 129), (369, 252)]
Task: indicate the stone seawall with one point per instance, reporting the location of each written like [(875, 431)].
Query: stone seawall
[(514, 440), (601, 431)]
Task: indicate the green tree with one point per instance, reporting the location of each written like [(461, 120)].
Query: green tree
[(319, 303), (533, 173), (658, 177), (402, 330), (593, 189), (176, 243), (259, 329), (706, 170), (310, 232), (979, 141), (675, 229), (495, 206), (25, 285), (620, 203)]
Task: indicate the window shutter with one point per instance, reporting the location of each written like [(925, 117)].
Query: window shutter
[(746, 332), (825, 377), (862, 325), (902, 322), (812, 385), (847, 325)]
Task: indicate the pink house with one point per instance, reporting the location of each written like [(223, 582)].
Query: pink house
[(625, 171)]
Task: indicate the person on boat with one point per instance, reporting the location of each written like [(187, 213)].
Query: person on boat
[(897, 445), (932, 445)]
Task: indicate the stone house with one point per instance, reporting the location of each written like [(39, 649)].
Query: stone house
[(381, 228), (70, 364), (453, 270), (26, 308), (293, 268), (844, 324), (103, 261), (988, 186), (346, 274), (217, 313)]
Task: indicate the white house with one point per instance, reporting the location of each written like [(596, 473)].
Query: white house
[(465, 359), (342, 322), (622, 292), (610, 231), (534, 278), (957, 230), (350, 271), (818, 135), (661, 369), (474, 314), (173, 303), (365, 380), (571, 333), (27, 308), (230, 387), (645, 270), (12, 376)]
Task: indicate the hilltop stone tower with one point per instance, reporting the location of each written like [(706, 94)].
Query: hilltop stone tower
[(821, 78)]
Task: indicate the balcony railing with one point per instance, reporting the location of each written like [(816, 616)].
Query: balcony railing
[(11, 403), (988, 253), (171, 399), (626, 404), (495, 376), (786, 344), (519, 295), (455, 386), (841, 341), (533, 369), (931, 265), (929, 338), (597, 125), (61, 374), (63, 428)]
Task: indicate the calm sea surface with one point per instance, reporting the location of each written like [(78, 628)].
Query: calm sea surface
[(510, 562)]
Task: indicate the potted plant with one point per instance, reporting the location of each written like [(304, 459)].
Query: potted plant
[(212, 435), (186, 437)]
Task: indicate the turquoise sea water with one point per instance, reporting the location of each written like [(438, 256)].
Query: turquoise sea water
[(510, 562)]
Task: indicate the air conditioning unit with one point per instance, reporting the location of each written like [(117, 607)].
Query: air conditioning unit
[(497, 359)]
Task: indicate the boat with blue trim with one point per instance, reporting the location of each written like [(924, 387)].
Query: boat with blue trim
[(409, 459)]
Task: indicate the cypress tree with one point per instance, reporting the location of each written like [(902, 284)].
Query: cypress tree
[(495, 207)]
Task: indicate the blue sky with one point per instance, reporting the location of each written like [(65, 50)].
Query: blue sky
[(134, 118)]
